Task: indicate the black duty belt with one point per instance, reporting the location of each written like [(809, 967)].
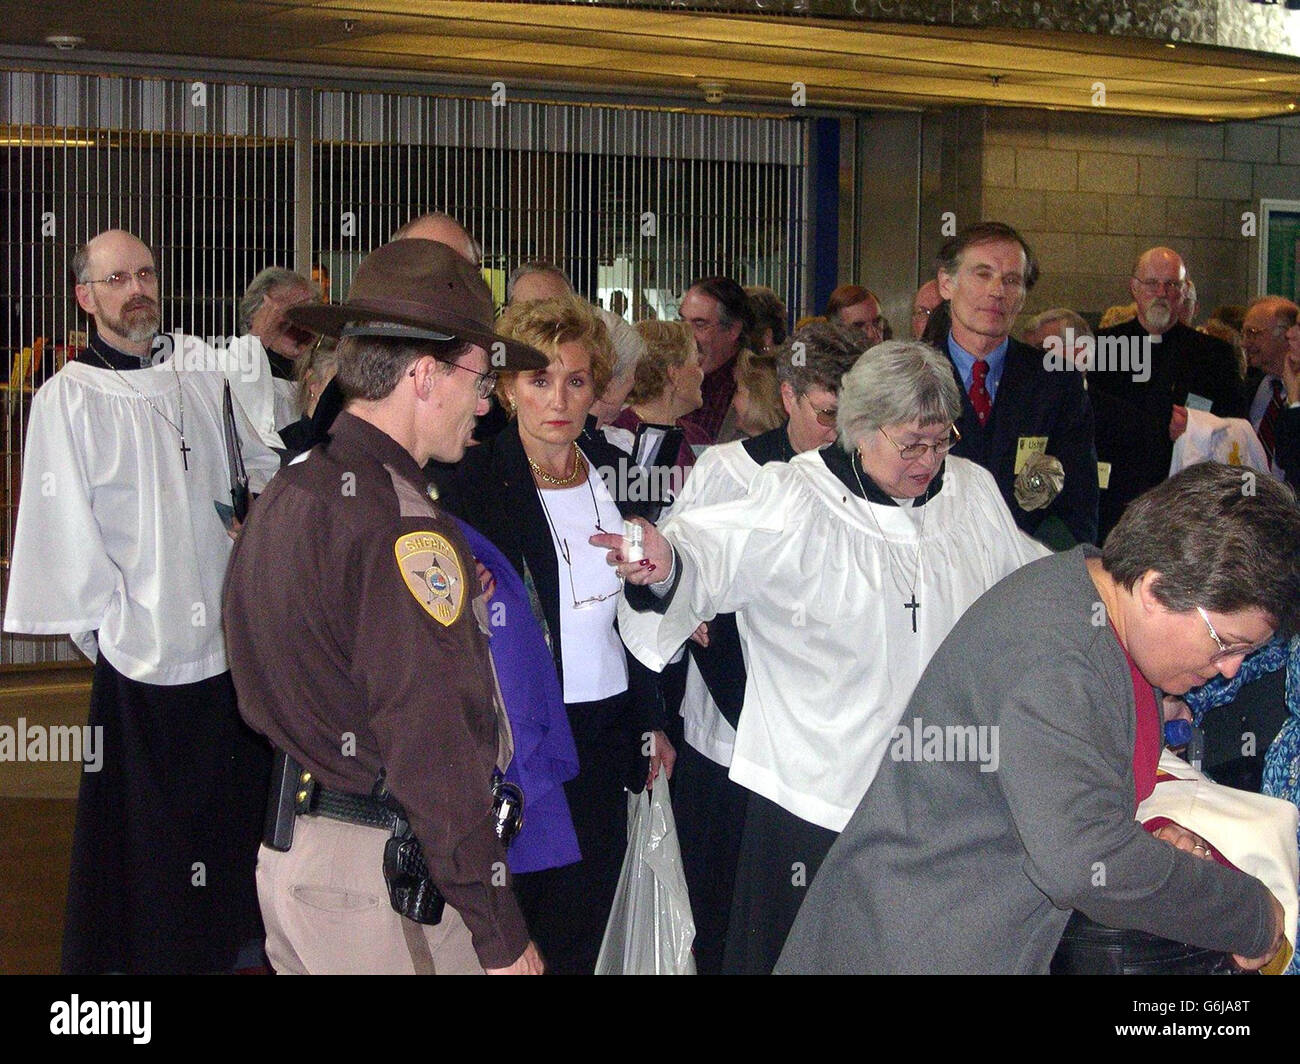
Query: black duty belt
[(312, 798), (295, 791)]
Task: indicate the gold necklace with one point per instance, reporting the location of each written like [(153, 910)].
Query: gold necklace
[(579, 464)]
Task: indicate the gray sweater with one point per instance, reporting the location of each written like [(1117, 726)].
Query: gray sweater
[(948, 868)]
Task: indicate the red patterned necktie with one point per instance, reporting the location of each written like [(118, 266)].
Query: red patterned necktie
[(1268, 423), (979, 395)]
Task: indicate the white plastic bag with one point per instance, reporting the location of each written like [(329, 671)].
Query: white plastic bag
[(650, 929)]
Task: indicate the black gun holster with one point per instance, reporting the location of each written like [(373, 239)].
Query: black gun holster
[(295, 792)]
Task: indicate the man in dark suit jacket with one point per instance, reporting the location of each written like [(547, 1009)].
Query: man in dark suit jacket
[(1118, 424), (1264, 332), (1013, 405), (1287, 456), (1165, 361)]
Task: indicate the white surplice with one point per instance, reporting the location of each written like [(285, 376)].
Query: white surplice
[(722, 473), (114, 534), (267, 400), (818, 578)]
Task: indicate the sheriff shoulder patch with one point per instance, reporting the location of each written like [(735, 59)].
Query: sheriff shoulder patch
[(432, 573)]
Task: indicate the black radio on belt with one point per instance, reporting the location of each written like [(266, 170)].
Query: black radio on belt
[(507, 808)]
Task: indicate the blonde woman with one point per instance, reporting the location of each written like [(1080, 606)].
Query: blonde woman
[(667, 387), (538, 490)]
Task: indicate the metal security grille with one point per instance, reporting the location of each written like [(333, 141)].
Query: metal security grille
[(200, 172), (223, 180), (623, 200)]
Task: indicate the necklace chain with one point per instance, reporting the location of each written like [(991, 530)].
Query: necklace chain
[(565, 481), (916, 574), (180, 429)]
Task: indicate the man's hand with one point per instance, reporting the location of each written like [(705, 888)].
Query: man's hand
[(661, 753), (529, 963), (1178, 422), (654, 567), (1253, 964), (701, 634)]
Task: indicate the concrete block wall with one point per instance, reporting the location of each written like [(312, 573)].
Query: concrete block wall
[(1091, 192)]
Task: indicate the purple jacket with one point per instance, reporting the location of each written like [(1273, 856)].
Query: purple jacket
[(545, 755)]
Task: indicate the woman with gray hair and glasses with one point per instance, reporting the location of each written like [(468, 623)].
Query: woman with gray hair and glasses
[(846, 568)]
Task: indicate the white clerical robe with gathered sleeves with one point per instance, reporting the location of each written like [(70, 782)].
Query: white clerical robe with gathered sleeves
[(117, 533), (722, 473), (821, 581)]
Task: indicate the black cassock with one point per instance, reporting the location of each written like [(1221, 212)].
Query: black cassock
[(165, 845)]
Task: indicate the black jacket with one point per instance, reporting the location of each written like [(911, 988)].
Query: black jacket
[(1183, 362), (1034, 401), (492, 488), (1287, 454)]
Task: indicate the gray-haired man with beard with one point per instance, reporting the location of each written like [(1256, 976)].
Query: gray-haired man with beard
[(1186, 367), (118, 545)]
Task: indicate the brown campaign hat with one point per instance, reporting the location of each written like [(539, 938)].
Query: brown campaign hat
[(421, 290)]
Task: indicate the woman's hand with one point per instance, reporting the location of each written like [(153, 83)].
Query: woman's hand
[(486, 581), (1181, 839), (661, 753), (1177, 422), (654, 567)]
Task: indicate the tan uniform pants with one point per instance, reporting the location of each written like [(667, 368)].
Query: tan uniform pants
[(326, 910)]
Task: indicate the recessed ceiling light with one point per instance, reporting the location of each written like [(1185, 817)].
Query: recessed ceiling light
[(64, 41)]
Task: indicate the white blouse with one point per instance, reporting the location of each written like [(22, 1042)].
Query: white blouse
[(592, 655)]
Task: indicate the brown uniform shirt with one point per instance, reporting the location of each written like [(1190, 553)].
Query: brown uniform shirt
[(354, 646)]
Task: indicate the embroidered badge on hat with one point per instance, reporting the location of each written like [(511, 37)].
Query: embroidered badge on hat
[(432, 573)]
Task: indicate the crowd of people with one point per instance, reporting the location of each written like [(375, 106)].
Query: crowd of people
[(553, 556)]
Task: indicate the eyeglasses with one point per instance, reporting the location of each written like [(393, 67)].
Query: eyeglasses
[(567, 554), (585, 603), (486, 381), (1152, 285), (922, 312), (1226, 651), (825, 417), (913, 451), (1251, 333), (146, 275)]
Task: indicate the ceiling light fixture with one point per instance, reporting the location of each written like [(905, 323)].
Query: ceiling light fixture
[(64, 42), (714, 91)]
